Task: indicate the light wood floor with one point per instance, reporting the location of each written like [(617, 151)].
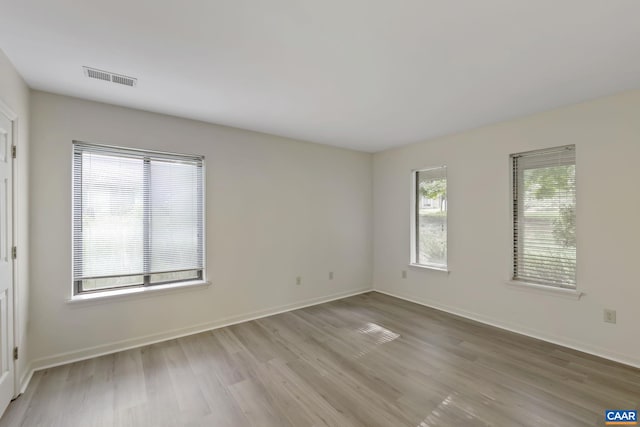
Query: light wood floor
[(368, 360)]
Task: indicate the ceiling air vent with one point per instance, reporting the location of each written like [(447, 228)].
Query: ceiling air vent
[(107, 76)]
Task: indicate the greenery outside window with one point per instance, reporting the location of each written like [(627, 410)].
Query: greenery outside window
[(429, 224), (544, 217)]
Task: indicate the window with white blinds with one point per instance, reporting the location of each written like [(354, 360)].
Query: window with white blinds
[(137, 218), (544, 217), (430, 218)]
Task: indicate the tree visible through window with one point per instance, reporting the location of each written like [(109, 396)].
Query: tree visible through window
[(544, 217), (430, 214)]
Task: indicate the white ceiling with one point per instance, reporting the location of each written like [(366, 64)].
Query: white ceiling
[(362, 74)]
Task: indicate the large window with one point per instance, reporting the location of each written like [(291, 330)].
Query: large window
[(544, 217), (137, 218), (429, 240)]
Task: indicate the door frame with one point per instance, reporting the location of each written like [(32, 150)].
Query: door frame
[(10, 114)]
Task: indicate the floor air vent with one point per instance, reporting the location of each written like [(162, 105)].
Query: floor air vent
[(107, 76)]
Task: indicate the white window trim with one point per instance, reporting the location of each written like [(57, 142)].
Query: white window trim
[(413, 221), (129, 292), (126, 293), (545, 289), (432, 267)]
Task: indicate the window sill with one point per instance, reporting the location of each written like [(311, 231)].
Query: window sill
[(131, 292), (430, 267), (542, 289)]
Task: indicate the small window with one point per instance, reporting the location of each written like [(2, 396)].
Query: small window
[(544, 217), (429, 237), (137, 218)]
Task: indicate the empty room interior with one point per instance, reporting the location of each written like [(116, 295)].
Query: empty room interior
[(333, 213)]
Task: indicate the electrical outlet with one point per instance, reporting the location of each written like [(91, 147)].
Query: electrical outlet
[(298, 280), (331, 275), (609, 315), (404, 274)]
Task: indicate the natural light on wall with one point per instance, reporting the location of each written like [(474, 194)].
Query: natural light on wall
[(429, 214)]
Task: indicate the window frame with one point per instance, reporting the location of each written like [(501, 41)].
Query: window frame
[(516, 194), (414, 218), (146, 285)]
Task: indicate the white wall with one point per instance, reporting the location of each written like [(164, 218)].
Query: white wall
[(15, 94), (278, 208), (606, 133), (275, 209)]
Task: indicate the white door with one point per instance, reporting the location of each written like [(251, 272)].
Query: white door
[(6, 264)]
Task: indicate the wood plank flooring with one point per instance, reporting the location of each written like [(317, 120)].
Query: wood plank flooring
[(369, 360)]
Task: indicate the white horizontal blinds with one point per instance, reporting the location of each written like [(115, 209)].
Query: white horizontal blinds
[(544, 217), (135, 214), (108, 220), (431, 217), (175, 216), (433, 174)]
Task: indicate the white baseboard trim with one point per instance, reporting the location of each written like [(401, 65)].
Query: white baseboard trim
[(26, 377), (519, 329), (114, 347)]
